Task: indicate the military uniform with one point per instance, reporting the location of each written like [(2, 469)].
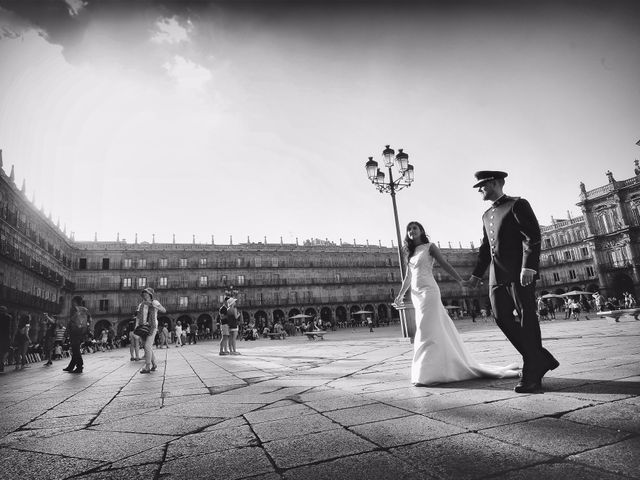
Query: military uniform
[(511, 242)]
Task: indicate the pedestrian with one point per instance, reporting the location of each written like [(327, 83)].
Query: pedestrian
[(511, 250), (50, 326), (21, 342), (194, 333), (224, 328), (148, 316), (370, 324), (178, 332), (5, 335), (233, 318), (79, 319), (164, 336), (134, 340), (473, 315)]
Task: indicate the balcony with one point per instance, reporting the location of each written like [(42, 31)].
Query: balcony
[(10, 296)]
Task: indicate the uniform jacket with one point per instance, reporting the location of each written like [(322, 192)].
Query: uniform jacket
[(511, 241)]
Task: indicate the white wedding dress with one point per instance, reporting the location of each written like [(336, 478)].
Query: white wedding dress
[(439, 354)]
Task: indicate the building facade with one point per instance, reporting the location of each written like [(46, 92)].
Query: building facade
[(599, 250), (42, 268)]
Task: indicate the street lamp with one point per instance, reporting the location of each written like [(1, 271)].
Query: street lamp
[(377, 177)]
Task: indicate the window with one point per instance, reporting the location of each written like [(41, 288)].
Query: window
[(547, 242), (163, 263), (126, 283), (204, 281), (590, 272), (203, 262), (203, 301), (556, 277), (258, 262), (142, 263), (585, 251), (104, 305), (105, 264), (223, 279), (82, 265), (142, 282), (238, 262), (240, 280), (274, 262), (164, 282), (338, 277), (567, 255), (572, 274), (183, 302), (183, 263), (127, 263), (552, 258)]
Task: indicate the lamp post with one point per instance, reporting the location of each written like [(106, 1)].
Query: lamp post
[(391, 186)]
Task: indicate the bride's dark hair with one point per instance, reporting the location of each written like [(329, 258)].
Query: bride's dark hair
[(409, 248)]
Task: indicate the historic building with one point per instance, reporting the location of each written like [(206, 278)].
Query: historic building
[(600, 250), (36, 256), (271, 281), (42, 268)]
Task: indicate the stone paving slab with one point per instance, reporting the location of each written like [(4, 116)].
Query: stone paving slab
[(340, 408)]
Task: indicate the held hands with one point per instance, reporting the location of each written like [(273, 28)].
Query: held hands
[(472, 282)]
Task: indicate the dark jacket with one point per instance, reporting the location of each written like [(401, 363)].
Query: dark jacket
[(511, 241)]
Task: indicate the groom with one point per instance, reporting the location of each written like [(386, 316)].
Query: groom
[(511, 249)]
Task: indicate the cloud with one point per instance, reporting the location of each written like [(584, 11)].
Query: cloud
[(187, 74), (171, 31), (75, 6)]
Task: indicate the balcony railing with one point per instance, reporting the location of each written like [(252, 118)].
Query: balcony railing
[(10, 295)]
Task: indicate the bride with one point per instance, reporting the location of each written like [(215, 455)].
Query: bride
[(439, 355)]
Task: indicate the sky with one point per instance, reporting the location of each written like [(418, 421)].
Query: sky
[(254, 119)]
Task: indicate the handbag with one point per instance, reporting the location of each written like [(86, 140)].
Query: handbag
[(142, 331)]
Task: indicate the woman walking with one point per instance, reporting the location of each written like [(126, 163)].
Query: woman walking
[(439, 355)]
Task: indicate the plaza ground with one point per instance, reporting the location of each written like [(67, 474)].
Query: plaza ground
[(337, 408)]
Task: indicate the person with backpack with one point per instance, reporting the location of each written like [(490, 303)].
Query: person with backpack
[(79, 318)]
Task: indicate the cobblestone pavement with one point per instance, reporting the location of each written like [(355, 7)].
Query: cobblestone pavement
[(337, 408)]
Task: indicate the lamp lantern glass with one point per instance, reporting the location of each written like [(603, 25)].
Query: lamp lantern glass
[(372, 169), (402, 160), (408, 174), (387, 155), (380, 177)]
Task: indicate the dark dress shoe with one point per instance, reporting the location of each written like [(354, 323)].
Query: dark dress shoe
[(68, 369), (527, 386), (77, 370)]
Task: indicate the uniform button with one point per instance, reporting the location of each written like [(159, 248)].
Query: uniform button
[(491, 232), (491, 224), (491, 217), (493, 210)]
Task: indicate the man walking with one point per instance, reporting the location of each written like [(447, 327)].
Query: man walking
[(78, 320), (511, 249)]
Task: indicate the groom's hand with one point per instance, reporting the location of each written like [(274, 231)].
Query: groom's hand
[(526, 276)]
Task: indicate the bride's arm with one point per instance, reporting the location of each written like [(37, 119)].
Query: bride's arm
[(446, 266), (404, 287)]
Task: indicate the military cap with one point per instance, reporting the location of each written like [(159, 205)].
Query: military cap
[(487, 175)]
